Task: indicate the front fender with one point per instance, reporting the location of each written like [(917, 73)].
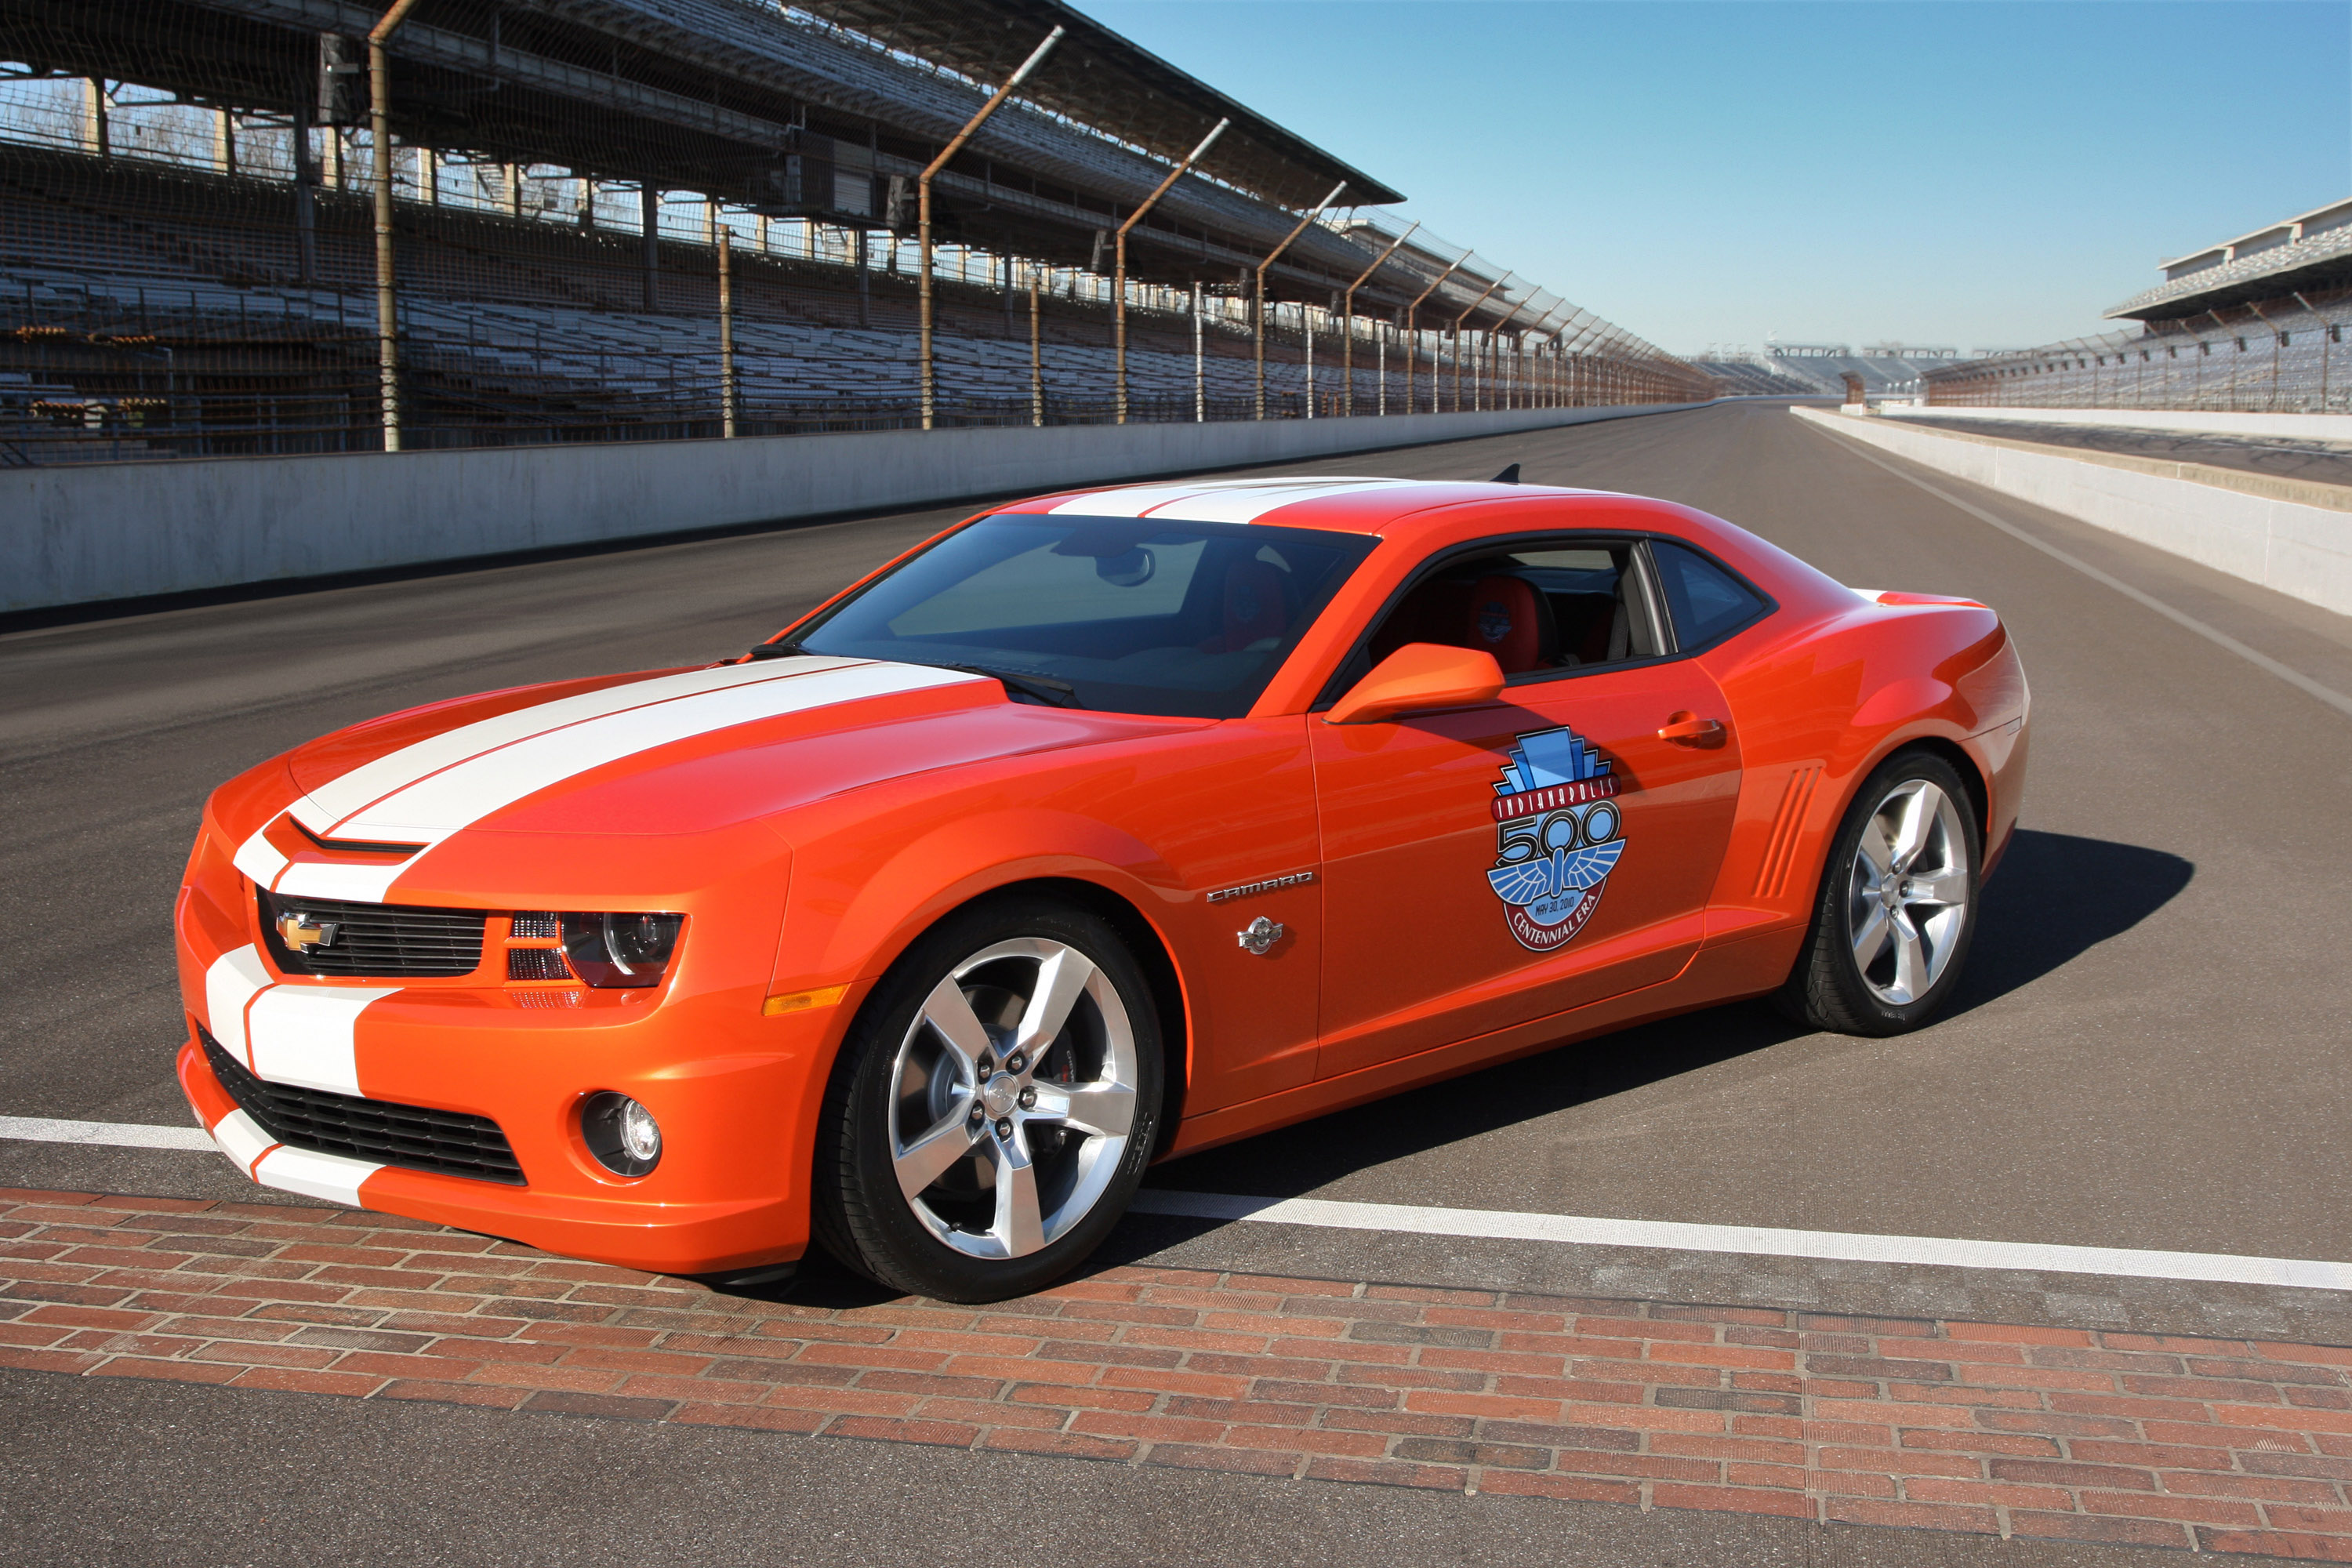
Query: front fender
[(902, 890)]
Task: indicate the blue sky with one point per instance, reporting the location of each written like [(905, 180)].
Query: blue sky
[(1974, 174)]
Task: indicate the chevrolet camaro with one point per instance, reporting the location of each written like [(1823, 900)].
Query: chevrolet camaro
[(1103, 827)]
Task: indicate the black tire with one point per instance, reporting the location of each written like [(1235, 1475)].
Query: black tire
[(1829, 988), (898, 1071)]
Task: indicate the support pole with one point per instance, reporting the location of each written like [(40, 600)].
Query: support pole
[(1348, 312), (1258, 314), (1495, 352), (923, 208), (1036, 358), (726, 391), (649, 245), (1307, 323), (96, 130), (2324, 331), (1201, 365), (306, 205), (1118, 263), (387, 320), (1413, 328), (1465, 316)]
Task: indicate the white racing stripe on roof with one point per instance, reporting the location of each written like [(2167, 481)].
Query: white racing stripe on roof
[(462, 793), (371, 781), (1219, 500), (1764, 1241)]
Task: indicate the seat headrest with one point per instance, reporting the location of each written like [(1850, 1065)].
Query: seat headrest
[(1507, 620)]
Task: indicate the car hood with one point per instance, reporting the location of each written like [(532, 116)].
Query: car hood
[(674, 751)]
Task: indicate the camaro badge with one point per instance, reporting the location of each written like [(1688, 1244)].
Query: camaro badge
[(1557, 836)]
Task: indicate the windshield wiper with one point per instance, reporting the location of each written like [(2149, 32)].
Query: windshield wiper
[(1045, 688), (775, 650)]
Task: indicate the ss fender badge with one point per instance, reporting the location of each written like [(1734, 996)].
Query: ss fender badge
[(1269, 885)]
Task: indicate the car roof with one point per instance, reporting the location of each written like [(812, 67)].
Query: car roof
[(1338, 502)]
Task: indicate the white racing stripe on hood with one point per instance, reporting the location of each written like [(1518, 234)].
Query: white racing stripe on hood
[(461, 794), (1219, 501), (331, 803)]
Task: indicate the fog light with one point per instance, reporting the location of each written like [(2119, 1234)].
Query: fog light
[(621, 1133)]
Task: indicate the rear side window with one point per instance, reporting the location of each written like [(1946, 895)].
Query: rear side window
[(1706, 601)]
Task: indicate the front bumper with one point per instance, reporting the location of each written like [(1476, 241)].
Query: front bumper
[(735, 1092)]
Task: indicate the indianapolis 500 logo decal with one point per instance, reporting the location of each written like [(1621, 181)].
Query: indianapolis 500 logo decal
[(1558, 836)]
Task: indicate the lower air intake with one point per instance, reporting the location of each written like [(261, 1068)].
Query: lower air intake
[(378, 1130)]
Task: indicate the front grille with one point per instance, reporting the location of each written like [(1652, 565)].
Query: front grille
[(376, 1130), (375, 938)]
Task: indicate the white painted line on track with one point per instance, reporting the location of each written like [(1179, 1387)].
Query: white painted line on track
[(105, 1134), (1502, 1224), (1754, 1240), (2215, 635)]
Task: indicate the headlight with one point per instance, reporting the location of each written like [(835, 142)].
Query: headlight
[(620, 951)]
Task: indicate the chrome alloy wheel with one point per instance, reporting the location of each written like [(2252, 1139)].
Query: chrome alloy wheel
[(1907, 901), (1013, 1096)]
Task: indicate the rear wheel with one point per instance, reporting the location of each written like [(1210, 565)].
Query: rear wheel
[(994, 1105), (1897, 903)]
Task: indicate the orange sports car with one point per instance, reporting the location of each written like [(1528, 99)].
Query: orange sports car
[(1102, 827)]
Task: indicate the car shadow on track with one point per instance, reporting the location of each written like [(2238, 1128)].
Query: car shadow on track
[(2056, 896)]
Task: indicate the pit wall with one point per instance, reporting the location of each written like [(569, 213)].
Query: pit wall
[(2222, 520), (81, 533)]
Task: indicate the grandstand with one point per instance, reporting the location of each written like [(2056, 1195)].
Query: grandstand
[(1886, 369), (1745, 376), (633, 219), (2251, 325)]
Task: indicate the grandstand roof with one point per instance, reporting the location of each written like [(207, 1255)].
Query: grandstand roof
[(719, 97), (2309, 250), (1100, 78)]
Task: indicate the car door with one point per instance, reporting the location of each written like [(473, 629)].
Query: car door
[(1500, 863)]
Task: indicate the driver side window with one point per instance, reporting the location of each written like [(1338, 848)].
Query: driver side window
[(1548, 605)]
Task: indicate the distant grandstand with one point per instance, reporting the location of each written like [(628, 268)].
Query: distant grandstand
[(2253, 325), (189, 266), (1818, 370)]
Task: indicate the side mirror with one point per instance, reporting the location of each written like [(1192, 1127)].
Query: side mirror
[(1420, 678)]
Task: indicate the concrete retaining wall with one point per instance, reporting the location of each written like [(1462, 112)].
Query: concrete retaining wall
[(2308, 426), (76, 534), (2302, 551)]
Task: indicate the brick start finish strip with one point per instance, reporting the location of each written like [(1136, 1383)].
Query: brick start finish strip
[(2222, 1445)]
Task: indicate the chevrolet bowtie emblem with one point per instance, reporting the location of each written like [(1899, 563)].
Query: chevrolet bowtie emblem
[(301, 933)]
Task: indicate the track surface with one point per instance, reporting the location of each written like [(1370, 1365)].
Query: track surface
[(2146, 1052)]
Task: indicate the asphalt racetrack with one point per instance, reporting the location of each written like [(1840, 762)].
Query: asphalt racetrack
[(2147, 1051)]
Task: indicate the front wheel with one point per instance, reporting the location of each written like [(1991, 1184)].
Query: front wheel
[(1897, 903), (995, 1106)]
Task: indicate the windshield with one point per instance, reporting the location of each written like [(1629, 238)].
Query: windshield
[(1127, 614)]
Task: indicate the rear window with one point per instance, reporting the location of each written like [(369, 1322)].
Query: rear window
[(1706, 601), (1126, 614)]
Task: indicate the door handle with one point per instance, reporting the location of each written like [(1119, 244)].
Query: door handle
[(1684, 730)]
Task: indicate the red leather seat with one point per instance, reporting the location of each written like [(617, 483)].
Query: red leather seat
[(1510, 620)]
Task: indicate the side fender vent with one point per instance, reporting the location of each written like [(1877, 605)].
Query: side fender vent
[(1780, 852)]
